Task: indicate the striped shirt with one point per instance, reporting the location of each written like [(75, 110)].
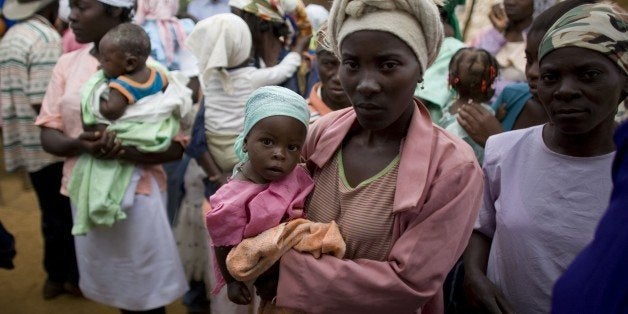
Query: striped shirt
[(363, 213), (28, 52)]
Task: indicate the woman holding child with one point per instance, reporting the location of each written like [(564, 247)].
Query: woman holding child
[(133, 265), (404, 193)]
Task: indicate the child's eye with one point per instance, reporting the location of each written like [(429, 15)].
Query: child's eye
[(294, 148), (266, 141)]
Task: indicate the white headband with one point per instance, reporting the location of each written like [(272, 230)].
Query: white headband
[(119, 3), (416, 22)]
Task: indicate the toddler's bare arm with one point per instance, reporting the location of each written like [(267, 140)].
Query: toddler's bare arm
[(237, 291), (114, 107)]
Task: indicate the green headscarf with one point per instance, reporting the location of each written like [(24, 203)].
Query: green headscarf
[(271, 101)]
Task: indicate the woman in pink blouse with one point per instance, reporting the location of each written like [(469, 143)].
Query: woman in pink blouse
[(134, 265)]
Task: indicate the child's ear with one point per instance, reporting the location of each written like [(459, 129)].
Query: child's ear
[(244, 145), (131, 63)]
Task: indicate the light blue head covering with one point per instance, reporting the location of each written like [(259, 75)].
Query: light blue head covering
[(267, 102)]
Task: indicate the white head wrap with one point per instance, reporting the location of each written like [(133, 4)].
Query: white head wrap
[(416, 22), (119, 3), (317, 14), (239, 4), (64, 10), (219, 42)]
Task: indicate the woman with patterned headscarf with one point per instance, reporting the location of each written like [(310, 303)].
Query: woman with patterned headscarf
[(403, 192), (276, 25), (547, 186), (326, 95), (133, 265)]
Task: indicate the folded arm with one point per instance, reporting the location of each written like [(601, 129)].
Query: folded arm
[(429, 245)]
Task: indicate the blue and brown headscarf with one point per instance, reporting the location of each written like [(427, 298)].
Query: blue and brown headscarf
[(601, 27)]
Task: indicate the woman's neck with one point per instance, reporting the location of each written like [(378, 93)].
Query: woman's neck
[(596, 142), (514, 32), (392, 135), (94, 51)]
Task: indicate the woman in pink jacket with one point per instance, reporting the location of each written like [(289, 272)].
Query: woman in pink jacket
[(404, 192)]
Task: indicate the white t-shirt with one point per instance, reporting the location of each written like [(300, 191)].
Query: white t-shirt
[(224, 113), (540, 208)]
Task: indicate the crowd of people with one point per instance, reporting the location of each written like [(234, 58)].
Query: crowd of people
[(350, 156)]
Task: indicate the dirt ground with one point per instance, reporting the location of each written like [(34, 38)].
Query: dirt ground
[(21, 287)]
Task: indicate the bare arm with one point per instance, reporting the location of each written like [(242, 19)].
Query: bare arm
[(237, 291), (221, 256), (99, 144), (214, 173), (132, 154), (476, 254), (481, 293), (113, 107)]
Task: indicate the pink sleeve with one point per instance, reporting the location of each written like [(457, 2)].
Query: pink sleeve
[(227, 218), (50, 114), (433, 238)]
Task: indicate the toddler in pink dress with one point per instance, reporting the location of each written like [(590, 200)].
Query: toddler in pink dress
[(268, 186)]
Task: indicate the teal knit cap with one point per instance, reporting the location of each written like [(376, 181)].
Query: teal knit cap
[(271, 101)]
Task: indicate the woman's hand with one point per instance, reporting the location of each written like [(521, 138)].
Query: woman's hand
[(238, 293), (483, 296), (102, 145), (301, 44), (498, 18), (479, 123)]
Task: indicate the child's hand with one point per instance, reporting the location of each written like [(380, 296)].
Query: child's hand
[(498, 18), (501, 113), (478, 123), (238, 292)]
